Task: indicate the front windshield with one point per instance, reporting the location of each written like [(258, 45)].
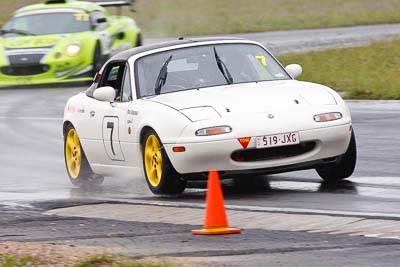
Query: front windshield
[(197, 67), (48, 23)]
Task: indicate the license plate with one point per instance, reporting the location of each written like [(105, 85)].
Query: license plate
[(284, 139), (24, 80)]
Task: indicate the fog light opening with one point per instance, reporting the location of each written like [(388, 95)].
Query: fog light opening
[(238, 157)]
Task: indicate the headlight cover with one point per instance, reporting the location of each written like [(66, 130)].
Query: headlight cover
[(215, 130), (73, 49), (331, 116)]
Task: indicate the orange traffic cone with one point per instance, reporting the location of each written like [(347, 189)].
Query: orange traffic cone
[(216, 222)]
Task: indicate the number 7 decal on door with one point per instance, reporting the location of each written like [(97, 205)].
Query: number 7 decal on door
[(111, 138)]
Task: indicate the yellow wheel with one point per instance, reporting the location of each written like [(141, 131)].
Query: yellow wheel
[(78, 168), (160, 175), (73, 154), (153, 160)]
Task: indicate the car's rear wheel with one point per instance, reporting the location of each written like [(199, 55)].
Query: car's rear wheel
[(78, 167), (344, 165), (161, 176)]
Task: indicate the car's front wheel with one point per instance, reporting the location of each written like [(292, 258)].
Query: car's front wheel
[(344, 165), (161, 176), (78, 168)]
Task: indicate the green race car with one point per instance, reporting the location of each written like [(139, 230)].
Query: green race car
[(62, 41)]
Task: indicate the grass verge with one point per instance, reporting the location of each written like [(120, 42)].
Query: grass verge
[(94, 261), (368, 72), (18, 261), (111, 261), (199, 17)]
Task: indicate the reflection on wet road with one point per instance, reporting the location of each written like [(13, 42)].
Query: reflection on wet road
[(32, 164)]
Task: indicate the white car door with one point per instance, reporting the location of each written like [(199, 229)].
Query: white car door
[(117, 122), (106, 129)]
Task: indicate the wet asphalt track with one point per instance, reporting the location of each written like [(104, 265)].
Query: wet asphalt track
[(32, 164)]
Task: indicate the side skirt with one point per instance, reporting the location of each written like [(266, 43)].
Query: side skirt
[(113, 170)]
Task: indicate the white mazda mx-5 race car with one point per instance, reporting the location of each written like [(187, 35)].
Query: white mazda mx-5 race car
[(178, 109)]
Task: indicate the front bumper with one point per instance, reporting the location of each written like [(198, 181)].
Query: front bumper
[(11, 75), (201, 157)]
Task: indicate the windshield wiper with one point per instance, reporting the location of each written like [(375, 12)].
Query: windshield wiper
[(222, 68), (162, 76), (22, 32)]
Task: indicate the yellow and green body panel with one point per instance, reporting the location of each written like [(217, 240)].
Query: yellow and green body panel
[(63, 57)]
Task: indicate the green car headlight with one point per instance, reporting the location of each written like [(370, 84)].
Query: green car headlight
[(73, 50)]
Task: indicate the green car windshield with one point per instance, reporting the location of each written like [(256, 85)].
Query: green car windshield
[(48, 23), (205, 66)]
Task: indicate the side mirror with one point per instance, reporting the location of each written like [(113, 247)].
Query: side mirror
[(106, 94), (101, 20), (294, 70)]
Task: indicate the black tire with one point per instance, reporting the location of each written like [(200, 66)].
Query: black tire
[(82, 176), (166, 180), (344, 165), (139, 40)]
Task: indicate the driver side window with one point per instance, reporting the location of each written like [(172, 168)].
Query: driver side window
[(117, 76)]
